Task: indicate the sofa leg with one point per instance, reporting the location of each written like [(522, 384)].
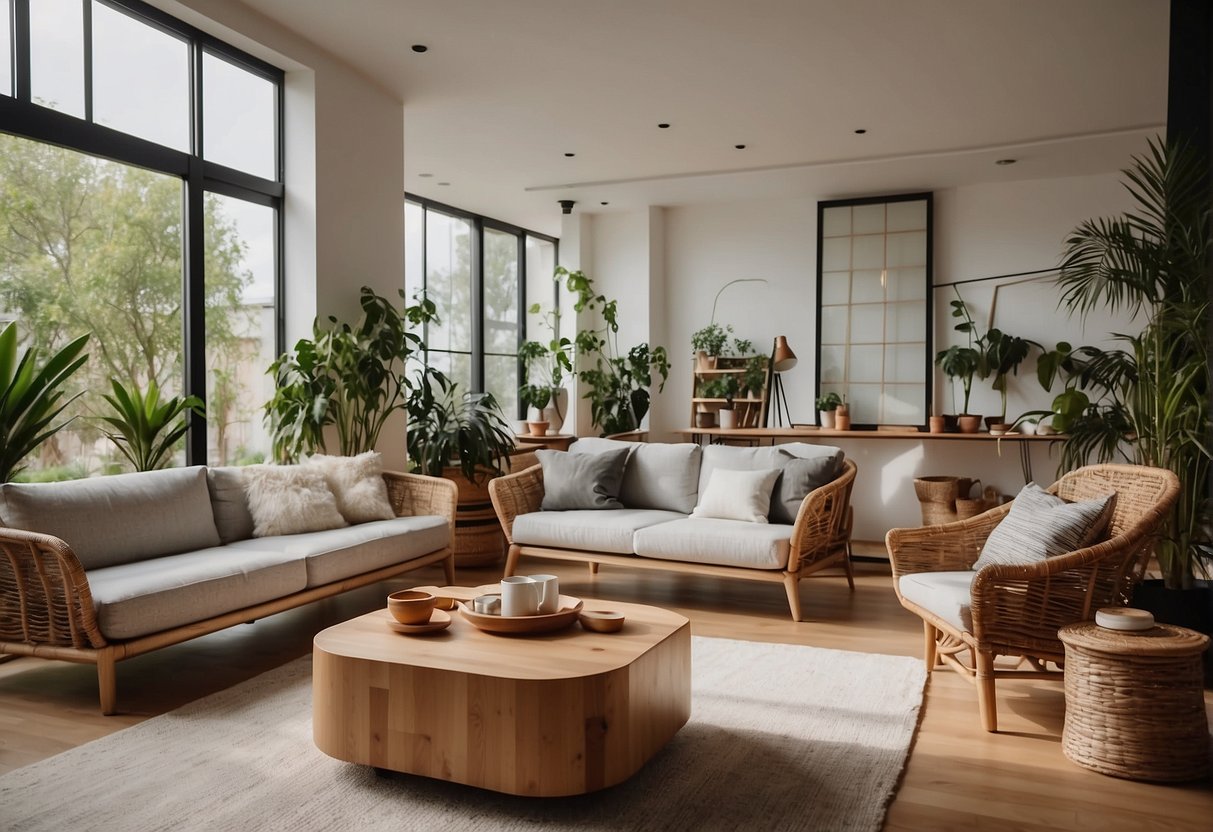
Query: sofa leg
[(986, 702), (593, 568), (847, 565), (448, 569), (107, 681), (511, 561), (792, 584), (930, 645)]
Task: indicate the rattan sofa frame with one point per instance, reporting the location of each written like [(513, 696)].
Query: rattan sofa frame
[(46, 607), (1017, 610), (820, 536)]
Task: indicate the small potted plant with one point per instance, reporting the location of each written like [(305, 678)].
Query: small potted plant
[(827, 405), (544, 367), (1003, 355), (754, 378), (729, 386), (964, 363), (709, 344)]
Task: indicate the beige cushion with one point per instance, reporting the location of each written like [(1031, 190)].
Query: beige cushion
[(118, 519), (290, 499), (737, 495), (588, 530), (342, 553), (805, 467), (657, 475), (357, 485), (228, 501), (1041, 525), (947, 594), (720, 542), (135, 599)]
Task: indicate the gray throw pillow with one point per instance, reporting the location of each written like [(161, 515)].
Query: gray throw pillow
[(581, 481), (1040, 526), (800, 476)]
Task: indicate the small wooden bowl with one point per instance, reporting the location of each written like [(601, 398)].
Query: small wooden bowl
[(602, 621), (411, 606)]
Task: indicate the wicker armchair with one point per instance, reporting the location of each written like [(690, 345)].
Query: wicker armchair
[(1017, 610)]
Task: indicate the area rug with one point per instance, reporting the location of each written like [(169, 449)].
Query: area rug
[(780, 737)]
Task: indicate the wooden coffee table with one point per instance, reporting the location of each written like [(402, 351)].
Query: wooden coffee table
[(544, 715)]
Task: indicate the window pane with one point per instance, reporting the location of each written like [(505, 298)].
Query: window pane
[(540, 287), (500, 292), (414, 250), (501, 379), (57, 55), (456, 365), (238, 118), (449, 281), (140, 79), (110, 267), (6, 50), (240, 320)]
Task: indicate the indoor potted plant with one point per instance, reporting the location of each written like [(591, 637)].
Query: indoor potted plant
[(963, 363), (1003, 355), (826, 405), (147, 429), (729, 385), (709, 343), (545, 365)]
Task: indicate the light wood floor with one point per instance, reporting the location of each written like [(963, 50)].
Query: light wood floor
[(959, 777)]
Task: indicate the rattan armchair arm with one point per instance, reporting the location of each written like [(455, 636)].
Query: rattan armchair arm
[(822, 514), (516, 494), (44, 593), (950, 547), (417, 495)]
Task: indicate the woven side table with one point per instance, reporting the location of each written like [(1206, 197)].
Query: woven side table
[(1134, 702)]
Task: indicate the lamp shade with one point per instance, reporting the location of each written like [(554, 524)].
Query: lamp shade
[(783, 359)]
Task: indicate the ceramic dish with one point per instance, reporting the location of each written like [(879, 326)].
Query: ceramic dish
[(570, 608), (439, 620), (602, 621)]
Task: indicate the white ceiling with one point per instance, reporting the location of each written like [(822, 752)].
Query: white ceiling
[(943, 87)]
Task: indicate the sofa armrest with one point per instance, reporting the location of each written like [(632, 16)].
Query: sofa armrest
[(516, 494), (949, 547), (44, 594), (822, 520), (417, 494)]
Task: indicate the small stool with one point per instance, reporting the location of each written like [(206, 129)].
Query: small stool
[(1135, 703)]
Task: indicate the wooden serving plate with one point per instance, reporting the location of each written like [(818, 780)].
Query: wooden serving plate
[(439, 620), (570, 608)]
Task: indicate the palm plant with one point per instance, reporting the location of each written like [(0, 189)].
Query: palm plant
[(1153, 261), (32, 398), (148, 429)]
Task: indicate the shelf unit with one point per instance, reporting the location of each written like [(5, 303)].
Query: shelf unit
[(751, 409)]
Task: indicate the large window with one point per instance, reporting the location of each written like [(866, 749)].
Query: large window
[(476, 271), (140, 202)]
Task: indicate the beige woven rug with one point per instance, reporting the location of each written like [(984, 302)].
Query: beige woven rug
[(780, 737)]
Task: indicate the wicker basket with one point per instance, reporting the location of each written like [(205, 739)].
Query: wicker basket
[(937, 498)]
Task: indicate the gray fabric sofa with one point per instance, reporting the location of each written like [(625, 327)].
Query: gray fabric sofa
[(654, 529), (102, 569)]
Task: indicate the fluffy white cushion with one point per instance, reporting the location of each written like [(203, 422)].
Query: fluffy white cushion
[(357, 484), (738, 495), (289, 499)]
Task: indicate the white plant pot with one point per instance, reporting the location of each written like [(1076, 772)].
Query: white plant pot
[(728, 418), (556, 410), (535, 414), (827, 419)]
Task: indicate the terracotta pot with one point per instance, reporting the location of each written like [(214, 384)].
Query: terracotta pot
[(937, 423), (842, 421), (969, 423), (537, 428)]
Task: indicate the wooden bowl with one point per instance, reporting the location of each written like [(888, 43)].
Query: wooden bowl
[(602, 621), (524, 624), (411, 606)]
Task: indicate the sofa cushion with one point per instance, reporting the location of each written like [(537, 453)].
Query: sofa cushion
[(228, 501), (357, 485), (720, 542), (659, 476), (290, 499), (581, 481), (947, 594), (135, 599), (737, 495), (119, 519), (805, 467), (335, 554), (593, 531), (1041, 525)]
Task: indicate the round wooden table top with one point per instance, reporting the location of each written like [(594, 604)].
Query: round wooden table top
[(1159, 640)]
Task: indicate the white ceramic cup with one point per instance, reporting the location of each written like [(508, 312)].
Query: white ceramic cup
[(549, 593), (519, 596)]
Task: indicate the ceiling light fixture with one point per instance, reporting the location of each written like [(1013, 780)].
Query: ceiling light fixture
[(861, 131), (420, 47), (424, 175), (444, 184), (664, 126), (570, 155), (604, 203), (566, 205), (1005, 161), (739, 146)]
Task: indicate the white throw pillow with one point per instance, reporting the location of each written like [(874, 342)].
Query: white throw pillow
[(290, 499), (738, 495), (357, 484)]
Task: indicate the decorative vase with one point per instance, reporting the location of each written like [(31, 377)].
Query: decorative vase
[(937, 424), (556, 409), (969, 423), (537, 428), (827, 418), (842, 421), (705, 419), (728, 418)]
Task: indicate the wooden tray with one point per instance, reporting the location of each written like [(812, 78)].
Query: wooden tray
[(570, 608)]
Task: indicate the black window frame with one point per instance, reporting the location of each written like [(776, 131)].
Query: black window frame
[(20, 116), (479, 223)]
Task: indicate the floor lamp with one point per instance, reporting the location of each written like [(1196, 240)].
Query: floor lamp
[(782, 360)]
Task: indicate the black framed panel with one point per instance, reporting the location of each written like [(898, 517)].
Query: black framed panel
[(874, 315)]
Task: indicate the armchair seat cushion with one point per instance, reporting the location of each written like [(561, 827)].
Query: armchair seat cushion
[(945, 594), (591, 530), (719, 542)]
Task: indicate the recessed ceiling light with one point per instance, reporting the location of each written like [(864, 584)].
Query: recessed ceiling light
[(861, 131), (1006, 161), (424, 175), (420, 47), (739, 146), (604, 203), (664, 126), (444, 184), (570, 154)]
